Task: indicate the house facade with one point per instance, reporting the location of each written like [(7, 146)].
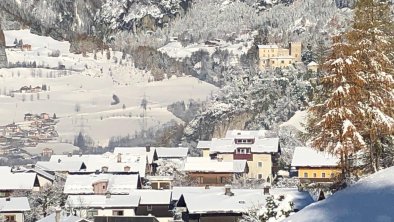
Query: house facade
[(275, 57), (260, 153), (314, 166), (214, 172), (13, 209), (89, 206)]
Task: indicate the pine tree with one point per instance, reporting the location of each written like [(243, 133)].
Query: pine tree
[(373, 42), (333, 120)]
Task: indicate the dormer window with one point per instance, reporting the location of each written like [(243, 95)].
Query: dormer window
[(242, 151), (244, 141)]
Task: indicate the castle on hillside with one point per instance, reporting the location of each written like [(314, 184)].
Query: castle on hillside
[(275, 57)]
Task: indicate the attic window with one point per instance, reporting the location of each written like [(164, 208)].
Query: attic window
[(241, 202)]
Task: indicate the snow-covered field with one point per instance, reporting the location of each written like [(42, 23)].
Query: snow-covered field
[(90, 86)]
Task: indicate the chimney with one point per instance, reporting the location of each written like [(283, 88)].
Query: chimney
[(108, 195), (8, 199), (104, 169), (57, 217), (119, 158), (80, 154), (147, 148), (69, 154), (59, 160), (227, 190), (266, 189), (207, 187), (127, 169)]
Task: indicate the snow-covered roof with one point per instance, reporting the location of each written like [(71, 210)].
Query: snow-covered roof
[(14, 204), (245, 134), (308, 157), (16, 180), (63, 218), (41, 173), (176, 152), (370, 199), (268, 46), (312, 64), (153, 197), (214, 200), (136, 151), (160, 178), (203, 144), (63, 166), (300, 199), (94, 162), (202, 164), (227, 145), (117, 184), (103, 201)]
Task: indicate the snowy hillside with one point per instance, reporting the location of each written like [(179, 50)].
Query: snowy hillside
[(370, 199), (82, 88)]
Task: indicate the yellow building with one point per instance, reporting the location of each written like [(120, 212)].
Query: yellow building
[(315, 166), (275, 57), (261, 153)]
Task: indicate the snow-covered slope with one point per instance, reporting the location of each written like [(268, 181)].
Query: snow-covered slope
[(370, 199), (90, 84)]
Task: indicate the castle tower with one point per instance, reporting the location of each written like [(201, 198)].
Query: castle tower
[(295, 50)]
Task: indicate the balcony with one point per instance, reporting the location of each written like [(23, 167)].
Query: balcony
[(246, 156)]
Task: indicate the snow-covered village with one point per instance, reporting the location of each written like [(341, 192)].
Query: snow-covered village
[(196, 111)]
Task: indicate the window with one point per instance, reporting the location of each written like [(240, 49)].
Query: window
[(92, 213), (332, 175), (273, 62), (305, 175), (200, 180), (260, 176), (149, 208), (9, 218), (323, 175), (223, 180), (117, 213), (283, 62), (243, 151), (260, 164), (314, 175)]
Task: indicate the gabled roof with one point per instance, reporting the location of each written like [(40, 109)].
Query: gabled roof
[(245, 134), (204, 144), (62, 166), (175, 152), (202, 164), (41, 173), (153, 197), (14, 204), (103, 201), (228, 145), (213, 200), (95, 162), (63, 218), (117, 184), (140, 151), (308, 157), (17, 180)]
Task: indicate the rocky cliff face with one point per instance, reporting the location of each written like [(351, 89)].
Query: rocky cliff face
[(3, 55)]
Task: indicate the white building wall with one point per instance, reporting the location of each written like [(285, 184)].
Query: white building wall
[(18, 216)]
